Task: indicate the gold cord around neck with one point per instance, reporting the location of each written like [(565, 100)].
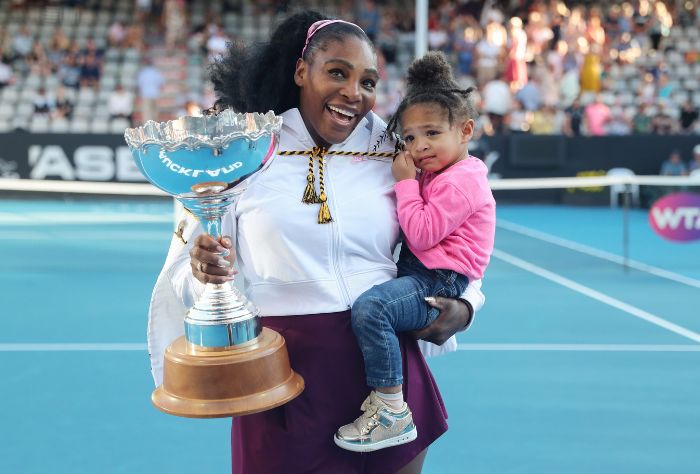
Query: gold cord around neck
[(310, 195)]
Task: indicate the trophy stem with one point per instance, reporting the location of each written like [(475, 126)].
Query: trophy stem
[(214, 229), (222, 317)]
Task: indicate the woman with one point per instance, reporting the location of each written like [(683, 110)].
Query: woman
[(304, 275)]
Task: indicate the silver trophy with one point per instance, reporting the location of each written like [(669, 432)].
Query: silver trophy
[(227, 364)]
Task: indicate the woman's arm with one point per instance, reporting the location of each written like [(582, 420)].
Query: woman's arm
[(456, 314)]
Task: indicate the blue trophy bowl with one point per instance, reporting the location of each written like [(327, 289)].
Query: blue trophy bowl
[(179, 155), (202, 161)]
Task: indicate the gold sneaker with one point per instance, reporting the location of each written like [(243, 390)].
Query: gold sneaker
[(380, 426)]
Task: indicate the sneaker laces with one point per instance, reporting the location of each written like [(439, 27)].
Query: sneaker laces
[(370, 415)]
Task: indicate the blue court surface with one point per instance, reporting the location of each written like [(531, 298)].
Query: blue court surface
[(575, 365)]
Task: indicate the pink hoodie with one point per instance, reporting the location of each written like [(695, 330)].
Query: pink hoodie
[(449, 219)]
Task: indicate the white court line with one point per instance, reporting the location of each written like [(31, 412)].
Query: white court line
[(72, 347), (571, 245), (596, 295), (120, 347), (79, 218), (582, 347)]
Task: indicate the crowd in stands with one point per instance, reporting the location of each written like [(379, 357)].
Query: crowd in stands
[(552, 67), (539, 67)]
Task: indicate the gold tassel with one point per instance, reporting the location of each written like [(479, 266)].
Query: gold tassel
[(310, 196), (324, 213)]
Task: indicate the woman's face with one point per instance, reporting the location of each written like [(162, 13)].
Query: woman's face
[(338, 88)]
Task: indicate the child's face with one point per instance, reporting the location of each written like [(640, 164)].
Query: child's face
[(432, 142)]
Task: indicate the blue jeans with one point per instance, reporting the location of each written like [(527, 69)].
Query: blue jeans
[(398, 305)]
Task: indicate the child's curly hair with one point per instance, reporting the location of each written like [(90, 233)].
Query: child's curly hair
[(430, 80)]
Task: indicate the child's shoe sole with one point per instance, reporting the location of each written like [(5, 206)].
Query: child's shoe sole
[(360, 447)]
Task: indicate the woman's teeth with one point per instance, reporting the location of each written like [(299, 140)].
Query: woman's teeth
[(343, 114)]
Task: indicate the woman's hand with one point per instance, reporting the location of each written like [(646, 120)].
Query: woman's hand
[(455, 315), (403, 166), (208, 264)]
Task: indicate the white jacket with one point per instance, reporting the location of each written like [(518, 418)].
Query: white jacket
[(288, 262)]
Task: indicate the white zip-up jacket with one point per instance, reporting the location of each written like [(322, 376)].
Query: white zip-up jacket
[(290, 264)]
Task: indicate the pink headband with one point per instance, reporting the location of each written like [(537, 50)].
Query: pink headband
[(321, 24)]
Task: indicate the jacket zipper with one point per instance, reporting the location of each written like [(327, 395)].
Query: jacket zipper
[(335, 239)]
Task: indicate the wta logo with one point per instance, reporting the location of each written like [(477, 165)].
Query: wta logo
[(676, 217)]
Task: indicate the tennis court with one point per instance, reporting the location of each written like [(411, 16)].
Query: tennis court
[(575, 365)]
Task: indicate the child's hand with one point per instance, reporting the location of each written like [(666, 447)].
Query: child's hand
[(403, 166)]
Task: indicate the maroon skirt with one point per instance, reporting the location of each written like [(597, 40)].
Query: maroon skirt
[(298, 437)]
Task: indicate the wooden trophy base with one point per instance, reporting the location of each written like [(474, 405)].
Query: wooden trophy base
[(240, 380)]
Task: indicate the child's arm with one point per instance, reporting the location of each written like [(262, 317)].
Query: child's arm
[(425, 224)]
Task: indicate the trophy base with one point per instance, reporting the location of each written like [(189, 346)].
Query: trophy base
[(234, 381)]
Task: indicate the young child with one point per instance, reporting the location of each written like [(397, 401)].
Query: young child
[(448, 216)]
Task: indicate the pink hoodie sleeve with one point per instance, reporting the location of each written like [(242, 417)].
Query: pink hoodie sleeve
[(427, 224)]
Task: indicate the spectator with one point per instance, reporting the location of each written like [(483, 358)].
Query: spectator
[(174, 20), (520, 119), (216, 45), (618, 123), (530, 95), (554, 59), (628, 50), (695, 162), (538, 32), (92, 49), (516, 67), (641, 123), (590, 72), (58, 47), (134, 37), (7, 76), (150, 82), (143, 10), (489, 53), (496, 103), (674, 165), (438, 38), (647, 91), (464, 45), (547, 121), (569, 87), (69, 72), (663, 123), (38, 61), (689, 117), (369, 18), (664, 87), (595, 34), (116, 34), (44, 103), (548, 84), (22, 42), (595, 116), (574, 119), (120, 103), (64, 104), (660, 24), (90, 71), (387, 39)]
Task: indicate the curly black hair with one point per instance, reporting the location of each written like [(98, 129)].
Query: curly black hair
[(430, 80), (260, 77)]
